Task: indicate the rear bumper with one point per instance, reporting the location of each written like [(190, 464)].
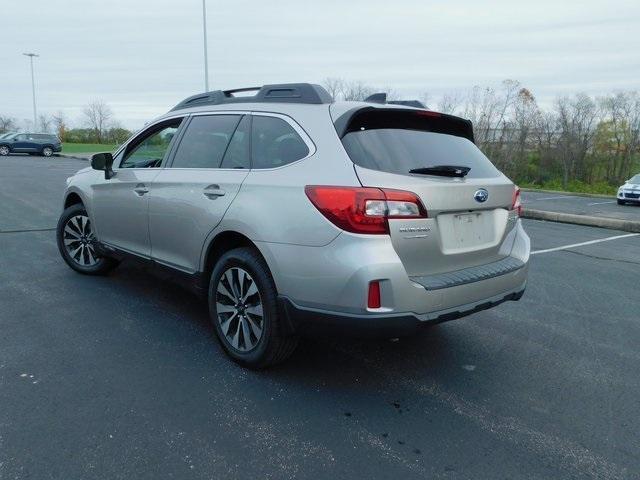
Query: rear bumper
[(310, 321), (335, 278)]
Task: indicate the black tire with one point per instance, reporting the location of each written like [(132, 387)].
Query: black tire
[(621, 202), (274, 345), (101, 266), (47, 152)]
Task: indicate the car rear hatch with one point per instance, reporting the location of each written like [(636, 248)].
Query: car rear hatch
[(468, 201)]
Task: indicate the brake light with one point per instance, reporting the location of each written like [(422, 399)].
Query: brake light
[(364, 209), (428, 113), (516, 204), (373, 298)]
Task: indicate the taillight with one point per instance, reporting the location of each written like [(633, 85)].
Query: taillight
[(364, 209), (516, 204)]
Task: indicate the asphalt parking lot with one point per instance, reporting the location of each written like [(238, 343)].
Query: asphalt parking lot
[(120, 377), (580, 205)]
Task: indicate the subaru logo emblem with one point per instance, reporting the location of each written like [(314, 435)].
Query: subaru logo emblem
[(481, 195)]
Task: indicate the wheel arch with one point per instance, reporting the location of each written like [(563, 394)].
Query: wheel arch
[(73, 198), (223, 242)]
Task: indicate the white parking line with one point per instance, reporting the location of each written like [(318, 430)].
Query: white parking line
[(565, 247), (601, 203)]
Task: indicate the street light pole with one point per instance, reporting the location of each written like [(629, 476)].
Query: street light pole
[(206, 60), (33, 88)]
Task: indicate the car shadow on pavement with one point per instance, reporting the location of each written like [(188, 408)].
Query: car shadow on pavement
[(333, 360)]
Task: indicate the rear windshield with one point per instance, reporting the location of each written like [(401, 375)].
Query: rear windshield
[(398, 145)]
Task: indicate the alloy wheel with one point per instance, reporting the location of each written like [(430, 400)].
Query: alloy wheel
[(47, 152), (239, 309), (79, 241), (4, 150)]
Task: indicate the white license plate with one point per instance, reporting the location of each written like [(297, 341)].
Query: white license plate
[(470, 229)]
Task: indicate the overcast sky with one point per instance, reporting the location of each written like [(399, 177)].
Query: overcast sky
[(143, 56)]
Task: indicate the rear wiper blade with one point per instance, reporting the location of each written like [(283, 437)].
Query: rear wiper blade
[(442, 170)]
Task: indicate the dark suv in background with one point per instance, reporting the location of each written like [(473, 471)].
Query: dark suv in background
[(32, 143)]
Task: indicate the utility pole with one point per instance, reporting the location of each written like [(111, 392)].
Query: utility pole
[(206, 60), (33, 89)]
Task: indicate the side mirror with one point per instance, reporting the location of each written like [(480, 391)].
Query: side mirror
[(103, 161)]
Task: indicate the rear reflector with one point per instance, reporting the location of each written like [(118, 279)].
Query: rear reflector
[(373, 300), (516, 204), (363, 209)]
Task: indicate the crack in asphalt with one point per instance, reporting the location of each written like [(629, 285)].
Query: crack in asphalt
[(596, 257), (27, 230)]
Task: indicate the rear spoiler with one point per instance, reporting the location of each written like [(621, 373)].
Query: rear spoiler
[(370, 117), (382, 98)]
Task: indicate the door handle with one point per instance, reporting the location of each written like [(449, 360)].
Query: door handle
[(141, 189), (213, 191)]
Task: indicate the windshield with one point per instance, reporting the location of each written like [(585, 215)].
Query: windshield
[(396, 150), (635, 179)]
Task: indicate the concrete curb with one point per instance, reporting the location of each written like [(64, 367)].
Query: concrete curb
[(66, 155), (632, 226), (573, 194)]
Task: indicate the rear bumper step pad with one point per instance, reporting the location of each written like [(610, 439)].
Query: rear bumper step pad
[(469, 275)]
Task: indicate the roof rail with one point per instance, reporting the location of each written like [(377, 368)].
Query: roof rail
[(280, 93), (382, 98)]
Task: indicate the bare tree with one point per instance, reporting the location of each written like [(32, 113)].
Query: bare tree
[(335, 87), (356, 90), (7, 124), (60, 125), (44, 123), (489, 109), (619, 133), (577, 118), (545, 135), (97, 113), (450, 103), (519, 132)]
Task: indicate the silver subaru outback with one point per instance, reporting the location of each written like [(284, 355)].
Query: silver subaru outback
[(295, 214)]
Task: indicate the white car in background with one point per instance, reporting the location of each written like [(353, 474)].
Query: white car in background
[(630, 191)]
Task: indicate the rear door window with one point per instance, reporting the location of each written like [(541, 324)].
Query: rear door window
[(237, 155), (401, 141), (205, 141), (275, 143)]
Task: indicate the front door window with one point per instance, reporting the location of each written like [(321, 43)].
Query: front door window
[(150, 149)]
